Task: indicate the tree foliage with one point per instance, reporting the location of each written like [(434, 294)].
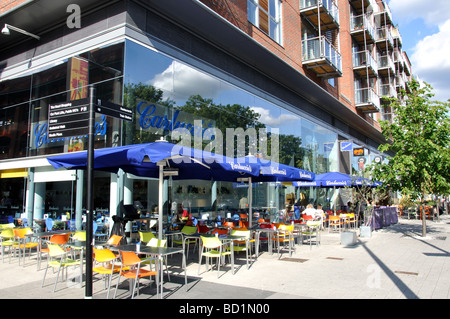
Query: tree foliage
[(419, 139)]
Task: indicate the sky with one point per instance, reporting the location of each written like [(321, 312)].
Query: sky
[(425, 30)]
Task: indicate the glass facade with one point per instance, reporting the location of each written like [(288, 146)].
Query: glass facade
[(164, 93)]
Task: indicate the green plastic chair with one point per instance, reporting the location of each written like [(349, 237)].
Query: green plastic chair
[(6, 240), (145, 237), (243, 243), (312, 229), (58, 258), (212, 248), (187, 230)]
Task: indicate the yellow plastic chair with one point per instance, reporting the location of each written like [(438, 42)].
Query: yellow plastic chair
[(58, 258), (7, 226), (134, 271), (6, 240), (212, 248), (285, 234), (21, 243), (351, 220), (145, 237), (244, 243), (107, 259), (79, 235)]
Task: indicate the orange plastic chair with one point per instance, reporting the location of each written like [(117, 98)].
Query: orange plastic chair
[(334, 221), (135, 272), (21, 243), (219, 231), (243, 216), (285, 235), (106, 258), (229, 224), (114, 240)]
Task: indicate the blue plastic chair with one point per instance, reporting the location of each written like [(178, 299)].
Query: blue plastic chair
[(97, 234), (49, 224), (72, 224)]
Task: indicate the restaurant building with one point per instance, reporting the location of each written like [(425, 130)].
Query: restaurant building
[(313, 72)]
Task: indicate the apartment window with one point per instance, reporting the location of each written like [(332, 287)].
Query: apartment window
[(266, 15)]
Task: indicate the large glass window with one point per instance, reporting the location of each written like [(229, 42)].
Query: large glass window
[(166, 93), (24, 102)]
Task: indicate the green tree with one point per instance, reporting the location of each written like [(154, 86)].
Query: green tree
[(418, 139)]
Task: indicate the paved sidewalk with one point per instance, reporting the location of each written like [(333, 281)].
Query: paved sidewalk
[(395, 263)]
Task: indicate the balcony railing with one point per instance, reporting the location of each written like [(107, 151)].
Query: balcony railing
[(330, 6), (364, 59), (385, 61), (367, 100), (321, 48), (388, 90), (384, 34), (362, 22)]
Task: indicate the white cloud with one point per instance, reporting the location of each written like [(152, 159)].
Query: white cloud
[(272, 121), (434, 12), (185, 81), (431, 61)]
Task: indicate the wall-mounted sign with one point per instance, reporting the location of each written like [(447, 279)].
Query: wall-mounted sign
[(346, 146), (358, 151)]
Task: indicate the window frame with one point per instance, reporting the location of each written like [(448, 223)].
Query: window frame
[(274, 21)]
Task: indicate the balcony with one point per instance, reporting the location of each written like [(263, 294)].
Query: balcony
[(384, 39), (364, 64), (320, 56), (323, 12), (387, 91), (384, 17), (362, 29), (386, 65), (359, 4), (400, 81), (367, 100)]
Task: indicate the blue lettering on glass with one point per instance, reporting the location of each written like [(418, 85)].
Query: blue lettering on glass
[(40, 132), (147, 119)]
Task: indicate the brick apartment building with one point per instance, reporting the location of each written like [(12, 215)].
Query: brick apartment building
[(316, 70)]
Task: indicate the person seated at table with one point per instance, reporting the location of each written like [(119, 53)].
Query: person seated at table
[(311, 211), (182, 214)]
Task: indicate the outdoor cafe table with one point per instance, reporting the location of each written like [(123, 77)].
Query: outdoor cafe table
[(271, 233), (159, 252)]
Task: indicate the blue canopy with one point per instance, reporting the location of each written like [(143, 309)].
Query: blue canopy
[(334, 179), (157, 158), (143, 160), (306, 184), (271, 171)]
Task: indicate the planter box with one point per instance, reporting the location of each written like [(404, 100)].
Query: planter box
[(348, 238), (365, 231)]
